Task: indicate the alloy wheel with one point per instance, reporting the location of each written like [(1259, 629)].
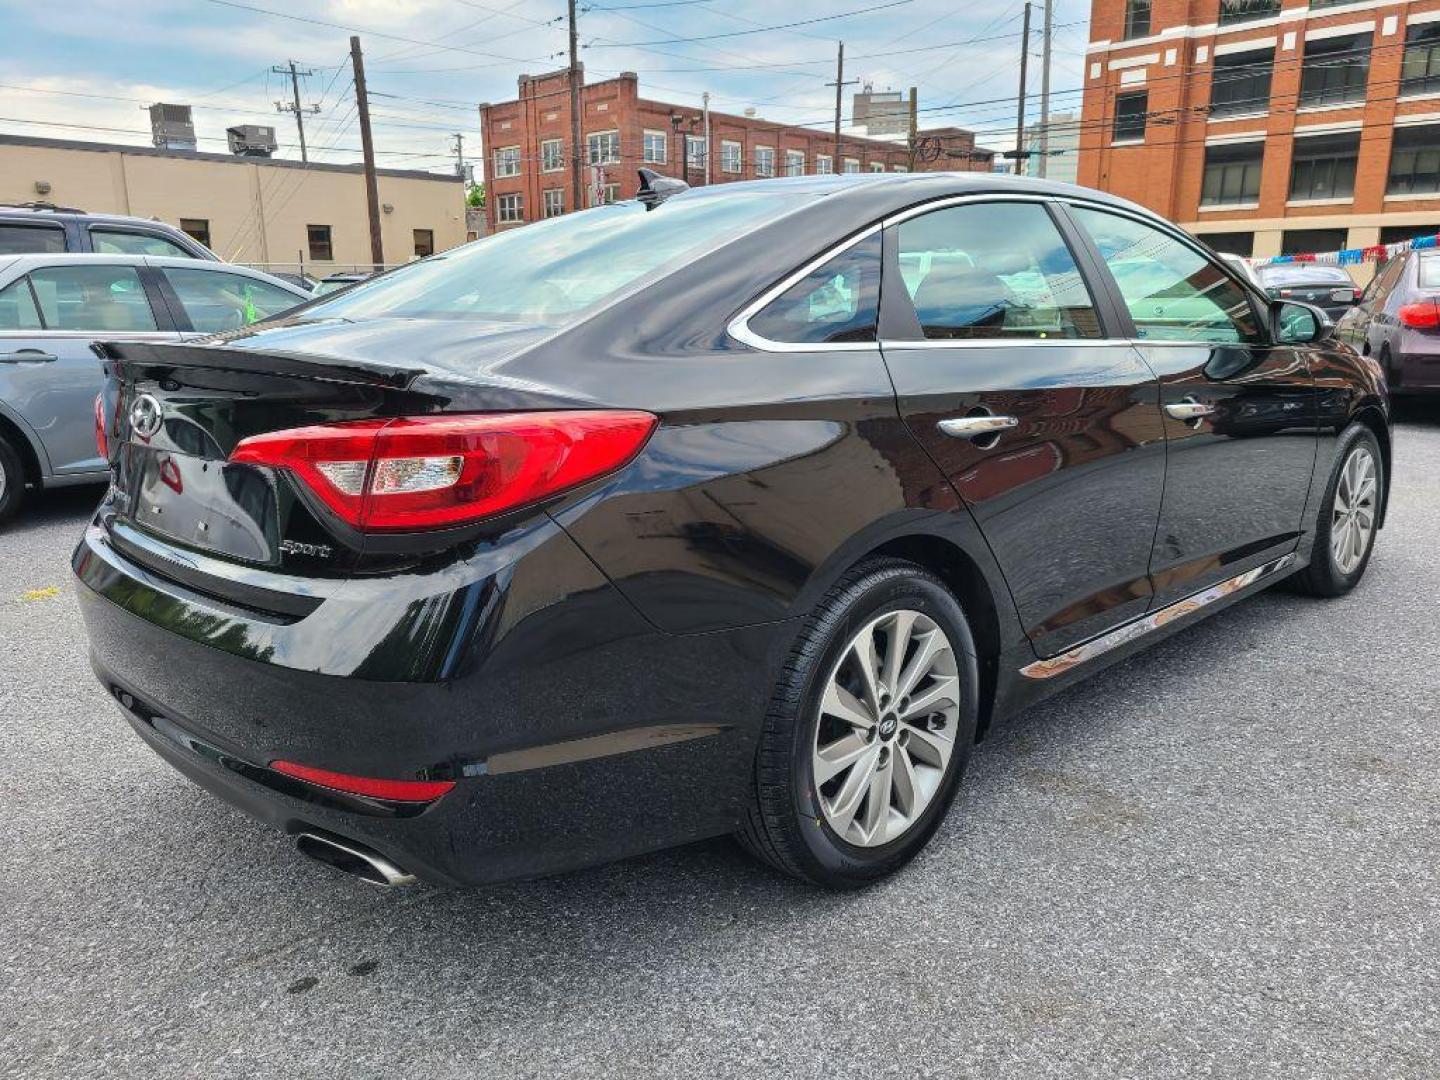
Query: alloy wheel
[(1352, 522), (886, 728)]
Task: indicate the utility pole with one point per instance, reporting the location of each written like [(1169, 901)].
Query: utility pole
[(1020, 107), (367, 147), (914, 127), (839, 85), (576, 163), (295, 106), (705, 104), (459, 149), (1045, 92)]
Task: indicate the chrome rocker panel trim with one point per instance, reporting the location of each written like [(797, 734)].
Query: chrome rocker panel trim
[(1156, 620)]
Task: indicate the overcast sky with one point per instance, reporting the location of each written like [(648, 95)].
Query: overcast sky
[(93, 64)]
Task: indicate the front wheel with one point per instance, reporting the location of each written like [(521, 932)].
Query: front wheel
[(1349, 517), (868, 731), (12, 481)]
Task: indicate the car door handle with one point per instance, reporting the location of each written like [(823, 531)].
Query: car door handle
[(967, 427), (26, 356), (1189, 410)]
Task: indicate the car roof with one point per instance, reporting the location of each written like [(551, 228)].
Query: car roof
[(49, 211)]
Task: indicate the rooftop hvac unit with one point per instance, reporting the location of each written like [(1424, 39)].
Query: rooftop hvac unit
[(171, 127), (251, 140)]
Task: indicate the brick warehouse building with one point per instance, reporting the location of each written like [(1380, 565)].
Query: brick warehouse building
[(527, 144), (1268, 126)]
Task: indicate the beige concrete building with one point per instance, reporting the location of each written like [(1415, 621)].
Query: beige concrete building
[(261, 211)]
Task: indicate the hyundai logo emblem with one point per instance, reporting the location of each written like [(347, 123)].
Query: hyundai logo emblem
[(145, 416)]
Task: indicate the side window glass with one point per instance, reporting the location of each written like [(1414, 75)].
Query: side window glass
[(22, 239), (117, 242), (1173, 292), (838, 301), (994, 270), (216, 301), (93, 298), (17, 307)]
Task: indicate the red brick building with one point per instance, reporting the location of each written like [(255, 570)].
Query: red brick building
[(527, 147), (1268, 126)]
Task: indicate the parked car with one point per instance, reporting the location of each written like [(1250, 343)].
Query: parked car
[(342, 280), (1330, 288), (300, 281), (1397, 321), (44, 228), (53, 306), (739, 510)]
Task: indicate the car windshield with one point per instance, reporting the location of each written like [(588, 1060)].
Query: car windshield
[(555, 270), (1290, 274)]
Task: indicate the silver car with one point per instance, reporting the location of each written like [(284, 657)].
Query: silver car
[(52, 306)]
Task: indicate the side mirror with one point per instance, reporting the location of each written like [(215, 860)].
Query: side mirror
[(1299, 324)]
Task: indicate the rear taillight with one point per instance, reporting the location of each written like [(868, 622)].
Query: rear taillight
[(391, 790), (102, 444), (1422, 315), (425, 472)]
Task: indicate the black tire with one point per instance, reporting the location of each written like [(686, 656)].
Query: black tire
[(1324, 576), (12, 481), (785, 825)]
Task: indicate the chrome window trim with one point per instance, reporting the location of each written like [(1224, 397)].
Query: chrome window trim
[(1003, 343)]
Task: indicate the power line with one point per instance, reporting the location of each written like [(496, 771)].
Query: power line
[(761, 29)]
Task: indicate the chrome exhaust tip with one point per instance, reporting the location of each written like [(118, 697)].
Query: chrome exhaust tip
[(354, 859)]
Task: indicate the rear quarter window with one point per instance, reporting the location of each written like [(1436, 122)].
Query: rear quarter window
[(24, 239), (1429, 272)]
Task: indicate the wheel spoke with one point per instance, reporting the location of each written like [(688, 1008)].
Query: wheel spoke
[(1366, 517), (852, 791), (930, 747), (834, 758), (897, 646), (941, 690), (907, 785), (877, 806), (931, 645), (869, 665), (843, 705), (1357, 541)]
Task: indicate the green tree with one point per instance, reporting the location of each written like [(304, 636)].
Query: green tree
[(475, 196)]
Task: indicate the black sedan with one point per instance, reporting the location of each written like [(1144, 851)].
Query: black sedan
[(739, 510), (1329, 288)]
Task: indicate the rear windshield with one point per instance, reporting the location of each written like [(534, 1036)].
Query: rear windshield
[(553, 271), (1430, 271), (1289, 274)]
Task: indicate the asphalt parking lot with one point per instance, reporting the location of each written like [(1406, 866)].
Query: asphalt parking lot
[(1221, 858)]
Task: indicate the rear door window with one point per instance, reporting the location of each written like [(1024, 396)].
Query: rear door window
[(93, 299), (17, 307), (993, 270), (835, 302), (25, 239), (216, 301), (126, 242)]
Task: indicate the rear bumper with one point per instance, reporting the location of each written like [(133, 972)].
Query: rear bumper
[(568, 748)]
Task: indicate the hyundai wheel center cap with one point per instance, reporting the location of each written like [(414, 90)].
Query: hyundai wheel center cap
[(888, 724)]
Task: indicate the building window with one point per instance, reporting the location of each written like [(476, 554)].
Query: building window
[(1300, 241), (764, 161), (794, 162), (1234, 11), (424, 242), (510, 209), (1230, 243), (553, 200), (318, 237), (1241, 83), (1335, 70), (732, 156), (824, 164), (1130, 117), (695, 151), (1232, 174), (507, 161), (877, 166), (656, 149), (1415, 161), (198, 229), (610, 193), (1393, 234), (1137, 18), (852, 165), (603, 148), (552, 155), (1324, 166), (1420, 71)]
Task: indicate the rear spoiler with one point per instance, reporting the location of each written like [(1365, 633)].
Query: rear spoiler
[(156, 355)]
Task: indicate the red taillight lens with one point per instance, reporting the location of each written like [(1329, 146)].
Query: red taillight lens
[(1424, 315), (102, 445), (393, 790), (425, 472)]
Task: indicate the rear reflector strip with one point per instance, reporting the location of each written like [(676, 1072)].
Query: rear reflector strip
[(391, 790)]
